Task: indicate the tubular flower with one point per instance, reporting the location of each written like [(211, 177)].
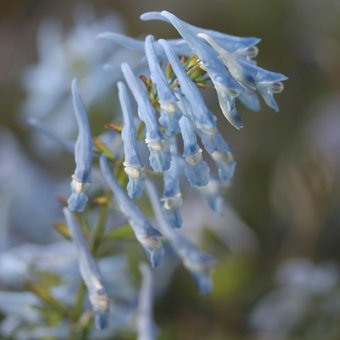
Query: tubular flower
[(198, 263), (81, 178), (193, 105), (250, 75), (169, 110), (180, 46), (200, 113), (90, 273), (133, 165), (159, 150), (226, 86), (174, 132), (146, 234)]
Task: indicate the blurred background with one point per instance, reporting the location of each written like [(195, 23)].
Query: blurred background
[(278, 245)]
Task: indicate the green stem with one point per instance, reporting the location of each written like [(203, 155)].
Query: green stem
[(48, 299), (99, 229)]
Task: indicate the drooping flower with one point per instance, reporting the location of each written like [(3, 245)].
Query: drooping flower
[(169, 110), (159, 150), (203, 118), (149, 237), (226, 86), (197, 262), (195, 168), (250, 75), (133, 165), (90, 273), (193, 105), (81, 178)]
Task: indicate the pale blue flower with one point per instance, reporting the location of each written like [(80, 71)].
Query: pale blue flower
[(200, 114), (146, 234), (226, 87), (179, 45), (89, 271), (132, 163), (238, 46), (250, 75), (197, 262), (63, 54), (145, 323), (193, 105), (169, 110), (81, 178), (172, 197), (159, 150), (195, 168)]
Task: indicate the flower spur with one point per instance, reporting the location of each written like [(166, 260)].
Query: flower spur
[(83, 152), (133, 165)]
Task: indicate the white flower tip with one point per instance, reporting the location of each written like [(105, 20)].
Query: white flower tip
[(149, 16), (105, 35), (204, 36)]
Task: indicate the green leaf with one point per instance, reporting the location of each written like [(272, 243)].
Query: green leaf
[(62, 229), (121, 232)]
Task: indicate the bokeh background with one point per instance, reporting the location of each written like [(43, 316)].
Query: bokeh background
[(278, 245)]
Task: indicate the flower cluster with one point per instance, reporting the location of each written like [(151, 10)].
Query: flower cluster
[(164, 91)]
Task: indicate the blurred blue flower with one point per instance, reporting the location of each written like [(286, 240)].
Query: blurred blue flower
[(62, 56), (90, 273)]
